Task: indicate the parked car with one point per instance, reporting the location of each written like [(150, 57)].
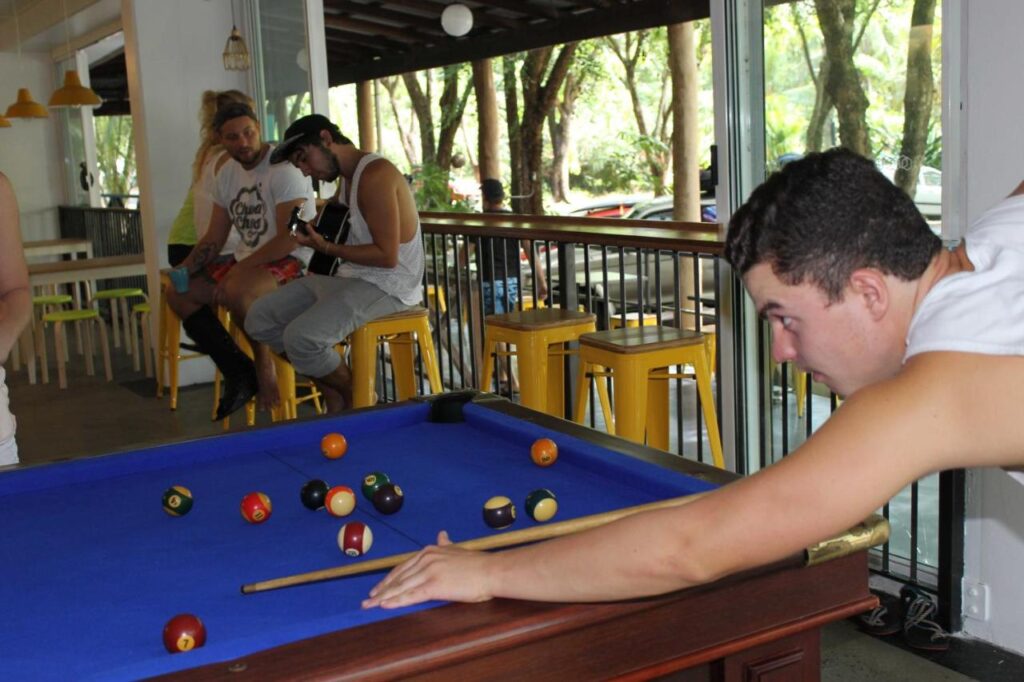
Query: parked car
[(608, 206), (660, 208)]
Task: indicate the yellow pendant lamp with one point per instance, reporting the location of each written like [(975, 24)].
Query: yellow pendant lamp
[(236, 52), (26, 106), (73, 93)]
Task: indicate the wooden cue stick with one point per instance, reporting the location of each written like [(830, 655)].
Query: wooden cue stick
[(510, 539)]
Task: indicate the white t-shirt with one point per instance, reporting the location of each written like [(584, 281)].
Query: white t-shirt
[(202, 204), (251, 196), (980, 311)]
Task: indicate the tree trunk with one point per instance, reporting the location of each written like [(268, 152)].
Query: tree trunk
[(404, 132), (421, 105), (487, 117), (917, 102), (515, 147), (453, 105), (685, 135), (364, 107), (842, 81), (560, 132), (539, 98)]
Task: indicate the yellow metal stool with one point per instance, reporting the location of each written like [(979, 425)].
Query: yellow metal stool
[(169, 350), (633, 320), (400, 331), (538, 334), (58, 318), (140, 318), (119, 297), (636, 358)]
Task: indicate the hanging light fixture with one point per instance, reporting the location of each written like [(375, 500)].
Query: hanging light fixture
[(73, 93), (236, 53), (25, 106), (4, 123), (456, 20)]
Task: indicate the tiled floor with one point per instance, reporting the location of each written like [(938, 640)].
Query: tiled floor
[(93, 417)]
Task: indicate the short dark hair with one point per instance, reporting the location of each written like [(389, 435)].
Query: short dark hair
[(232, 111), (820, 218)]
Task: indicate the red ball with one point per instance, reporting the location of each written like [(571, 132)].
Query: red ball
[(184, 632), (256, 507), (355, 538), (544, 452)]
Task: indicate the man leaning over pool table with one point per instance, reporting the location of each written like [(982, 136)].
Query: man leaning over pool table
[(927, 345)]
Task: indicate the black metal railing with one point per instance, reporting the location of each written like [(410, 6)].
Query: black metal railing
[(112, 232)]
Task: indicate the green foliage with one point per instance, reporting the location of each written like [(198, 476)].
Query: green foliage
[(115, 154), (433, 193), (610, 169)]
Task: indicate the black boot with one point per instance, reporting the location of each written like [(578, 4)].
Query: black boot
[(240, 382)]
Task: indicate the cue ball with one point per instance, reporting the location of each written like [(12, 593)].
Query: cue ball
[(340, 501), (333, 445), (184, 632), (544, 452), (499, 512), (313, 494), (255, 507), (373, 481), (177, 500), (541, 505), (355, 538), (388, 499)]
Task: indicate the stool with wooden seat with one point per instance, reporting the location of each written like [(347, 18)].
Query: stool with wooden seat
[(539, 336), (400, 331), (169, 352), (119, 297), (58, 318), (140, 318), (636, 357)]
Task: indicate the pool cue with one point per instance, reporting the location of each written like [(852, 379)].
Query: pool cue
[(510, 539)]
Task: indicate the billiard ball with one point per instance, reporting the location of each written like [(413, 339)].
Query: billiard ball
[(355, 538), (544, 452), (541, 505), (388, 499), (313, 494), (184, 632), (177, 500), (373, 481), (340, 501), (499, 512), (333, 445), (255, 507)]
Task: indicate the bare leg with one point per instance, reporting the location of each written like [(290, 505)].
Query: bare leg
[(337, 388)]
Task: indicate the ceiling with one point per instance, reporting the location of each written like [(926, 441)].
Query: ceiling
[(369, 39)]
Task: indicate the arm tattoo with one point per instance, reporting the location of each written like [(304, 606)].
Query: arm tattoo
[(203, 254)]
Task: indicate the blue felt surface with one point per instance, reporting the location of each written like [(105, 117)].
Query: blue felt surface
[(91, 567)]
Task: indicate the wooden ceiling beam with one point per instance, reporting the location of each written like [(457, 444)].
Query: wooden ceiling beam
[(543, 11), (375, 11), (632, 16), (373, 29)]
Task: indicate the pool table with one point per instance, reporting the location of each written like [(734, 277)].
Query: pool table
[(91, 567)]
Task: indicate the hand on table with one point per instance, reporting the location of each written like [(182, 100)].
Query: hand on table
[(438, 572)]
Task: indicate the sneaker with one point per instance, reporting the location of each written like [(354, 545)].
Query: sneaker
[(884, 619), (919, 630)]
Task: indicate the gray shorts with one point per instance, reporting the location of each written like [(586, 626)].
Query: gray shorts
[(307, 317)]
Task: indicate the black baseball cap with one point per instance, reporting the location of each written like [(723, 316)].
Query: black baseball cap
[(304, 130)]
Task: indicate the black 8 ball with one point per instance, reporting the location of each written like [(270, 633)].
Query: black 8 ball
[(313, 494), (388, 498), (499, 512)]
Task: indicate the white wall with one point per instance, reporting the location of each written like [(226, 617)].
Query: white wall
[(30, 150), (992, 63), (180, 57)]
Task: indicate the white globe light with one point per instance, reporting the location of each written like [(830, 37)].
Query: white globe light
[(456, 20)]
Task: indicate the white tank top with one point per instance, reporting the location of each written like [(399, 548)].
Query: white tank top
[(405, 280)]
